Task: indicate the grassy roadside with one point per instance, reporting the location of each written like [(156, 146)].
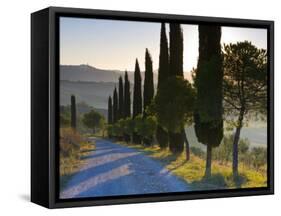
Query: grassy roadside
[(193, 171), (73, 147)]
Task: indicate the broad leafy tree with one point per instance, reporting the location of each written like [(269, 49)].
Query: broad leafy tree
[(245, 87), (93, 120)]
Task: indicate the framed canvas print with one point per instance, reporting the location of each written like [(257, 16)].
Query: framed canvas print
[(138, 107)]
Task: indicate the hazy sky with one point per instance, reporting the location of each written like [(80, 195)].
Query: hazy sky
[(110, 44)]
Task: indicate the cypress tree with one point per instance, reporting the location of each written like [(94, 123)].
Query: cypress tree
[(73, 112), (176, 144), (127, 97), (148, 87), (121, 99), (163, 73), (208, 82), (176, 50), (127, 102), (137, 100), (109, 111), (115, 106)]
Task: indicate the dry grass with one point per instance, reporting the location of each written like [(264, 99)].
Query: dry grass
[(73, 147), (193, 170)]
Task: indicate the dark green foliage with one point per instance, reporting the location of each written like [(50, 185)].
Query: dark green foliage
[(145, 128), (121, 99), (176, 50), (175, 99), (127, 104), (93, 120), (162, 137), (64, 122), (137, 103), (115, 106), (73, 112), (127, 97), (163, 73), (176, 142), (176, 138), (148, 87), (208, 82), (109, 111), (245, 86)]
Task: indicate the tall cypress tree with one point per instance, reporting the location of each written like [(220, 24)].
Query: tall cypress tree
[(148, 87), (176, 50), (73, 112), (109, 111), (121, 99), (163, 73), (127, 103), (115, 106), (137, 100), (176, 143), (208, 82), (127, 96)]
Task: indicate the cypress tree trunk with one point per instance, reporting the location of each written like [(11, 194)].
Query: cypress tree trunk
[(187, 147), (176, 142), (162, 137), (73, 112), (235, 144), (208, 170), (163, 73)]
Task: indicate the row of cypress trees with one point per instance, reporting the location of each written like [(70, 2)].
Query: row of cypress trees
[(209, 75), (170, 65), (120, 106)]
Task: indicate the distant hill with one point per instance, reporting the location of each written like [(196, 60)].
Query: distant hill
[(91, 74), (94, 94)]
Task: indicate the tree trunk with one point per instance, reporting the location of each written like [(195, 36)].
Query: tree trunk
[(235, 144), (187, 148), (208, 170)]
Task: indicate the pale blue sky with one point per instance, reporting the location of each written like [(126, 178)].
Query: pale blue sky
[(111, 44)]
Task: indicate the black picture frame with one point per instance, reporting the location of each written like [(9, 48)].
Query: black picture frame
[(45, 106)]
